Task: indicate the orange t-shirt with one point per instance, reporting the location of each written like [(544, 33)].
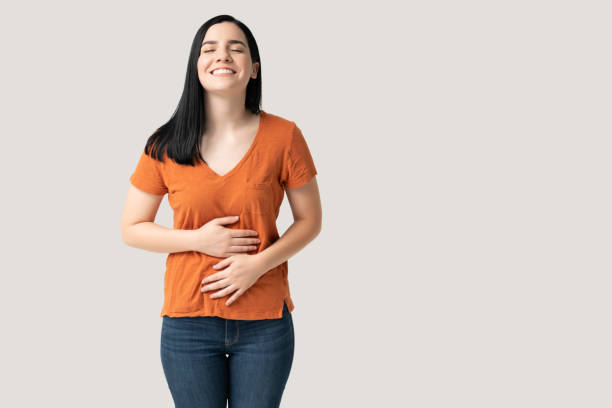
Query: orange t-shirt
[(278, 158)]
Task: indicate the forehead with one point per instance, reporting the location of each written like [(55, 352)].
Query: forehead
[(224, 32)]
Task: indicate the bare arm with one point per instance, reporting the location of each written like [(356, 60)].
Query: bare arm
[(157, 238), (305, 204), (139, 230)]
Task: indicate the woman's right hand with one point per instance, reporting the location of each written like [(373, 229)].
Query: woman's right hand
[(214, 239)]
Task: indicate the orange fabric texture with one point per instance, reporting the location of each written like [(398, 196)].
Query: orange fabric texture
[(278, 158)]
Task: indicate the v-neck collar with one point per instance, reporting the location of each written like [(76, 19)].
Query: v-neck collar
[(204, 165)]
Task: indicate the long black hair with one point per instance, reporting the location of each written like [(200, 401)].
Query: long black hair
[(180, 136)]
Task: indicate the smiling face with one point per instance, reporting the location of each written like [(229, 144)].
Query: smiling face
[(225, 46)]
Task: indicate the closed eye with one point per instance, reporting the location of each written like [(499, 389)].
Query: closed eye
[(232, 50)]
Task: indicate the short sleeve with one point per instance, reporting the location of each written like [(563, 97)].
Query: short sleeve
[(148, 176), (298, 165)]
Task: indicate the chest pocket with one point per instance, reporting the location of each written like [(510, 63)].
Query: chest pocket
[(258, 198)]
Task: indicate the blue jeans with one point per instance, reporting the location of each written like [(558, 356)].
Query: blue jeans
[(209, 360)]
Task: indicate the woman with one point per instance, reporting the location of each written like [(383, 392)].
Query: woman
[(227, 330)]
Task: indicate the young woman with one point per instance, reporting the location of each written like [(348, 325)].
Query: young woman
[(227, 330)]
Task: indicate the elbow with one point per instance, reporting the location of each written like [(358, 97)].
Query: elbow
[(319, 222), (125, 236), (316, 225), (319, 227), (310, 226)]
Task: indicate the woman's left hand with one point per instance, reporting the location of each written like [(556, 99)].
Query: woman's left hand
[(242, 272)]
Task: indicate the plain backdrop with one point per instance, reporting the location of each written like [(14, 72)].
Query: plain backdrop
[(463, 155)]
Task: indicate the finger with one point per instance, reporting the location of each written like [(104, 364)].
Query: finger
[(217, 285), (223, 292), (245, 241), (234, 297), (223, 263), (242, 249), (238, 233), (214, 277)]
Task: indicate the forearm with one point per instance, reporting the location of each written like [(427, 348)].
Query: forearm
[(157, 238), (297, 236)]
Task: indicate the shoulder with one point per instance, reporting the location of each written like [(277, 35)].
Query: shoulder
[(155, 160), (280, 131), (279, 126)]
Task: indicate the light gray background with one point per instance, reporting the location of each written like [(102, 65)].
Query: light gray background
[(463, 151)]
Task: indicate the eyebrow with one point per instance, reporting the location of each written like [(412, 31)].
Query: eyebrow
[(229, 42)]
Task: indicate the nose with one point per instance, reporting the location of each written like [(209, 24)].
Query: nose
[(223, 54)]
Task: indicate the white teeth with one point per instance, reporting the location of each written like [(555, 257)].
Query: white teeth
[(222, 71)]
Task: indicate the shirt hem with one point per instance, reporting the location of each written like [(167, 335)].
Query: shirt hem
[(247, 315)]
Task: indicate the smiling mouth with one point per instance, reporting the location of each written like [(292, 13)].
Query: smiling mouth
[(222, 73)]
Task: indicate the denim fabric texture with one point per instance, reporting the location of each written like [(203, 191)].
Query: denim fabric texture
[(210, 361)]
